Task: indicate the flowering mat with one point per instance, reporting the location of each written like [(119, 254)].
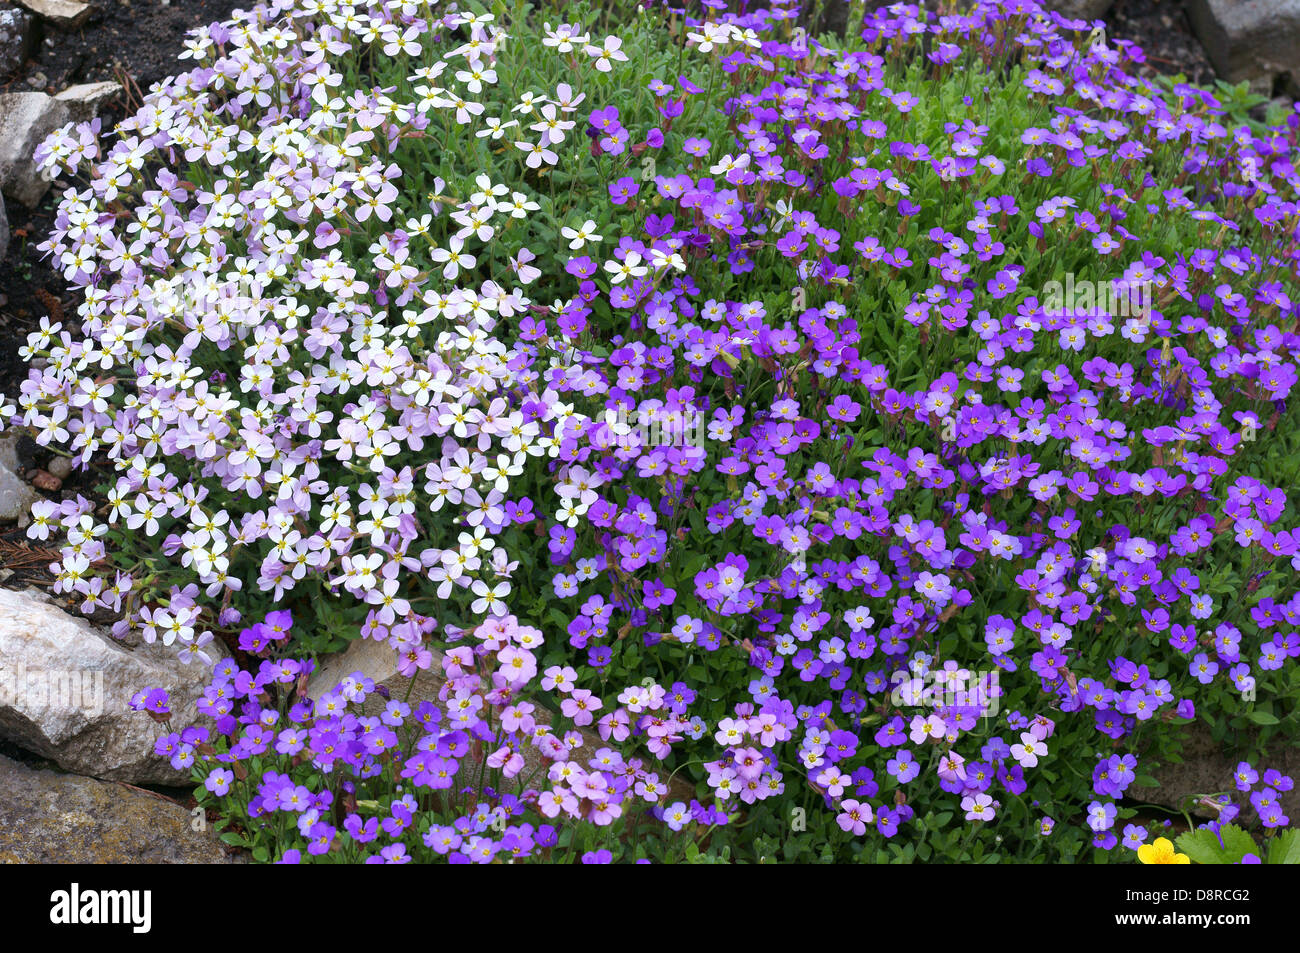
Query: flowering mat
[(572, 433)]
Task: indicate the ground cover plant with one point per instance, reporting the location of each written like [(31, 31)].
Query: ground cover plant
[(871, 448)]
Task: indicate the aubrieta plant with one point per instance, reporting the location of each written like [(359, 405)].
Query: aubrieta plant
[(295, 777), (889, 437)]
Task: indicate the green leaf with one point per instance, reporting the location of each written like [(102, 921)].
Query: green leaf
[(1237, 844), (1201, 847), (1262, 718), (1285, 848)]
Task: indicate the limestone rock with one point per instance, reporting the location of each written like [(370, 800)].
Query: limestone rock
[(26, 119), (60, 467), (85, 100), (377, 661), (16, 498), (67, 14), (50, 818), (1253, 40), (65, 687)]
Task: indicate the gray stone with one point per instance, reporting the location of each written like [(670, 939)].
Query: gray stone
[(1080, 9), (51, 818), (68, 14), (1252, 40), (9, 447), (60, 467), (16, 499), (65, 687), (16, 38), (378, 662), (4, 231), (25, 120), (85, 101), (1208, 766)]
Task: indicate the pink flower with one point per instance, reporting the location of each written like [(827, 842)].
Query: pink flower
[(581, 707), (854, 817)]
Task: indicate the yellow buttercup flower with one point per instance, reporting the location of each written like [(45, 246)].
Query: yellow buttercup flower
[(1161, 851)]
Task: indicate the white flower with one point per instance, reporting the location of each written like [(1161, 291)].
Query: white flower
[(607, 54), (454, 257), (564, 38), (629, 267), (490, 600), (728, 162), (580, 236)]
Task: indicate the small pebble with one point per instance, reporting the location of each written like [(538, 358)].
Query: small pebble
[(61, 467), (47, 481)]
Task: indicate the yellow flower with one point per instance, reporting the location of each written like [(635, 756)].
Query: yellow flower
[(1161, 851)]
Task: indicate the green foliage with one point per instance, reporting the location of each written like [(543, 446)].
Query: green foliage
[(1230, 844)]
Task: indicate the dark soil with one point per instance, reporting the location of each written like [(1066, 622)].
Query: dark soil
[(134, 42), (1161, 28), (138, 38)]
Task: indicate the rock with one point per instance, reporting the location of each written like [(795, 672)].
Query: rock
[(26, 119), (16, 499), (16, 38), (65, 687), (67, 14), (85, 101), (4, 234), (50, 818), (377, 661), (44, 480), (1080, 9), (1254, 40), (60, 467), (1208, 767), (10, 459)]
